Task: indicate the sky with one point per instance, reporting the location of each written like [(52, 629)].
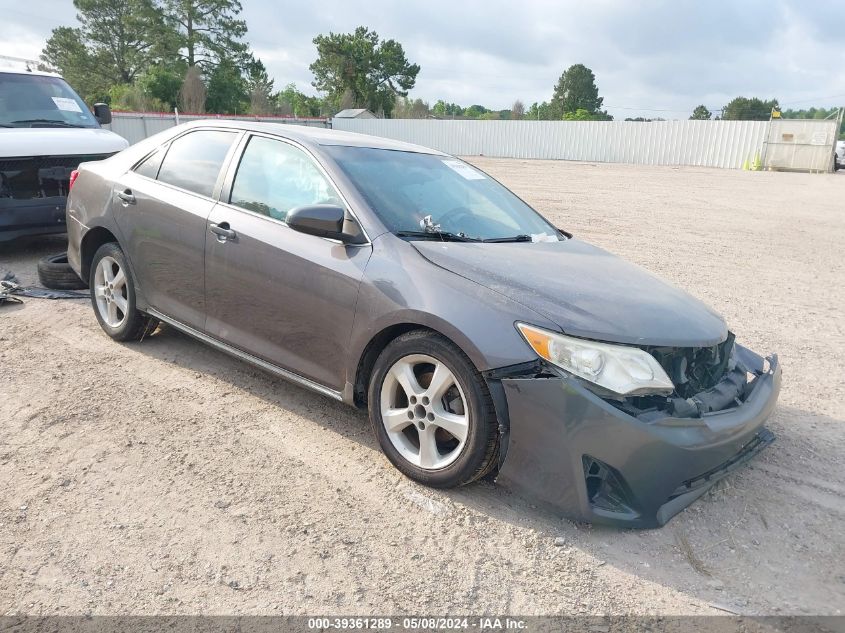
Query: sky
[(651, 58)]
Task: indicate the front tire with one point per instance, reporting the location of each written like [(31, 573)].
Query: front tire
[(113, 296), (431, 411)]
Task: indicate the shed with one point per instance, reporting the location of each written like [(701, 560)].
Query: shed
[(355, 113)]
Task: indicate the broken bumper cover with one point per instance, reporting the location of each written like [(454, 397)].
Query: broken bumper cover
[(37, 216), (590, 461)]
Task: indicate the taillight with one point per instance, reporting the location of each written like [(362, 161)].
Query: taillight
[(73, 176)]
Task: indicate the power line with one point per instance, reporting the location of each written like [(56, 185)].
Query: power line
[(610, 107), (814, 99)]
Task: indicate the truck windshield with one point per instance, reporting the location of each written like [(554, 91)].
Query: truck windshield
[(38, 101)]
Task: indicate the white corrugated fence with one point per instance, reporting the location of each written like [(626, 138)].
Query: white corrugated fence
[(728, 144), (701, 143), (136, 126)]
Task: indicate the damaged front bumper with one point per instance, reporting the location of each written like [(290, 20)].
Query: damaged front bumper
[(37, 216), (591, 461)]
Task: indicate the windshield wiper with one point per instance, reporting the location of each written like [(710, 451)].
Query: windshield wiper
[(444, 236), (513, 238), (55, 122)]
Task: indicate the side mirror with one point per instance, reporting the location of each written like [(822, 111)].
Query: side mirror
[(322, 220), (102, 112)]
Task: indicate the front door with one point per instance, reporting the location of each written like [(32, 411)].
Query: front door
[(281, 295)]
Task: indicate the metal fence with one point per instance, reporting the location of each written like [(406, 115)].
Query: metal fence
[(700, 143), (801, 144), (779, 144), (136, 126)]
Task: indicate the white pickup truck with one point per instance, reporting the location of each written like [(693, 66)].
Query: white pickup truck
[(46, 130)]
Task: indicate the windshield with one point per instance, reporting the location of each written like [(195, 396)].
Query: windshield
[(405, 188), (36, 101)]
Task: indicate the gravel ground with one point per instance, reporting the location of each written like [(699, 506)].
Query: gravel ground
[(165, 477)]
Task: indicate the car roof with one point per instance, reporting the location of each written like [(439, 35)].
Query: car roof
[(24, 71), (315, 136)]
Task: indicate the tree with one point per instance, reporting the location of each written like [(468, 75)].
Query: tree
[(207, 31), (66, 52), (475, 111), (539, 111), (744, 109), (193, 91), (701, 113), (583, 115), (162, 82), (227, 89), (576, 90), (117, 40), (358, 67), (292, 101), (419, 109), (133, 97), (517, 109), (259, 87), (447, 110)]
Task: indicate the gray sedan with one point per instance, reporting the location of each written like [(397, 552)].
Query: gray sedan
[(482, 339)]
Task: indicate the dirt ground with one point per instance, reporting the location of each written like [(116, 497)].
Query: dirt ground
[(165, 477)]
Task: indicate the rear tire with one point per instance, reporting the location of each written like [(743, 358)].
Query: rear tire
[(55, 273), (113, 296), (431, 411)]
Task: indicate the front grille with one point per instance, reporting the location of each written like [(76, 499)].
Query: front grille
[(39, 176), (694, 369)]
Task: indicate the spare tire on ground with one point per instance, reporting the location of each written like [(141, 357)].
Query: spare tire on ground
[(54, 272)]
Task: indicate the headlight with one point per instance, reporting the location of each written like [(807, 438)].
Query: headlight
[(618, 368)]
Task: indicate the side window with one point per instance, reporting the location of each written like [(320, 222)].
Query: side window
[(149, 166), (194, 160), (274, 177)]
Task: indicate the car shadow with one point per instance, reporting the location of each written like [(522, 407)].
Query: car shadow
[(750, 545)]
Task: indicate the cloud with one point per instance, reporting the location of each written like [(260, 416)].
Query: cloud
[(650, 56)]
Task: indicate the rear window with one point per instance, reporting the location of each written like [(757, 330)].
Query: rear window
[(193, 161), (149, 166)]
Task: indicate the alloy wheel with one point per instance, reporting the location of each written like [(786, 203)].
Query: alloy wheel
[(111, 292), (424, 411)]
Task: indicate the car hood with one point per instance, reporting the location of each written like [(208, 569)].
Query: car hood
[(585, 290), (23, 142)]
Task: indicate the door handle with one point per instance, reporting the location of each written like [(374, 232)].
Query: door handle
[(223, 232), (126, 196)]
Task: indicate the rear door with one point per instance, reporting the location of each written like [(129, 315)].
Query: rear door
[(281, 295), (161, 207)]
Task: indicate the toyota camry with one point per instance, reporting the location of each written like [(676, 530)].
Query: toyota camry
[(482, 340)]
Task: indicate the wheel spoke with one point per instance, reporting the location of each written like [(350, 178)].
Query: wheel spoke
[(108, 275), (121, 303), (441, 380), (451, 422), (403, 372), (396, 419), (428, 448), (113, 314), (119, 280)]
